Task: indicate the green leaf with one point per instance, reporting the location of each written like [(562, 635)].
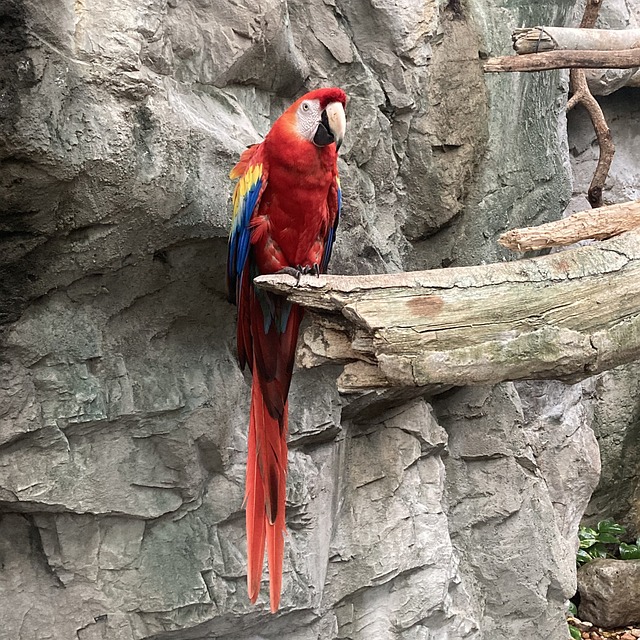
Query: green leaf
[(582, 557), (587, 532), (608, 526), (629, 551), (599, 551), (585, 543), (604, 523), (573, 610), (575, 633), (609, 537)]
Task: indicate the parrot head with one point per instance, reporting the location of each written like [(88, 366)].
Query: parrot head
[(319, 117)]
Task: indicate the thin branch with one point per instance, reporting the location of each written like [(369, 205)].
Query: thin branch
[(540, 39), (582, 95), (566, 59), (590, 14), (606, 222)]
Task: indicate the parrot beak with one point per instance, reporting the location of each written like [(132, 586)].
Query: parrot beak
[(332, 126)]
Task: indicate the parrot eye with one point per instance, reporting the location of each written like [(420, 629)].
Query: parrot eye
[(308, 117)]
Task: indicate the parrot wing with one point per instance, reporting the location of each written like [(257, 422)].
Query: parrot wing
[(335, 207), (252, 173), (267, 330)]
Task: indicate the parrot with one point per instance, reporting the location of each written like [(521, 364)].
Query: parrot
[(286, 207)]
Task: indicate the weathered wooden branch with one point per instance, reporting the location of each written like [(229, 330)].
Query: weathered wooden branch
[(623, 59), (565, 316), (590, 15), (605, 222), (540, 39), (582, 95)]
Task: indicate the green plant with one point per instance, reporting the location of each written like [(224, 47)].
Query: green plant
[(598, 542), (630, 551), (604, 542)]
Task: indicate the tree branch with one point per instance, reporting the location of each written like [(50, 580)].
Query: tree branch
[(623, 59), (582, 95), (601, 224), (590, 15), (540, 39), (565, 316), (577, 60)]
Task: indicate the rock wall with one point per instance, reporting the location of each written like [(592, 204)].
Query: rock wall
[(122, 410)]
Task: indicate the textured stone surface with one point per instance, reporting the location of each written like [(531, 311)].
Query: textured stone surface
[(617, 427), (559, 428), (528, 184), (122, 410), (610, 592), (511, 469)]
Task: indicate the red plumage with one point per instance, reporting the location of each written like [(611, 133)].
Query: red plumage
[(286, 208)]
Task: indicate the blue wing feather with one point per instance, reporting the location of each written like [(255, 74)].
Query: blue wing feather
[(245, 202)]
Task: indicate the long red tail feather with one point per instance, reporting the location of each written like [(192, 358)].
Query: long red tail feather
[(265, 494), (254, 513)]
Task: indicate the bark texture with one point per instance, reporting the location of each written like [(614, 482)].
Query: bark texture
[(564, 316), (615, 14), (539, 39), (600, 224), (564, 59)]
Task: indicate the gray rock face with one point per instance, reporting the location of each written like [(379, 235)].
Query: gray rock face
[(617, 428), (123, 412), (502, 484), (610, 592)]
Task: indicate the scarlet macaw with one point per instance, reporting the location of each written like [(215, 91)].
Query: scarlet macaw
[(286, 207)]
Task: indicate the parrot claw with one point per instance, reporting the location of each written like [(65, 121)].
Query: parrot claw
[(298, 271), (310, 271), (294, 272)]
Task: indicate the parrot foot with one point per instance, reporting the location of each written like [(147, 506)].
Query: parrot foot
[(299, 271), (292, 271)]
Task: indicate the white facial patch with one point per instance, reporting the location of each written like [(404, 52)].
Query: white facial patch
[(308, 114)]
